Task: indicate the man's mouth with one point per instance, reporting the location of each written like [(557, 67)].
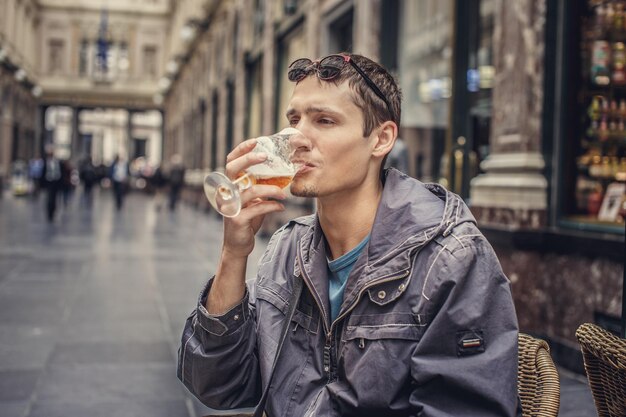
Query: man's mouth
[(303, 167)]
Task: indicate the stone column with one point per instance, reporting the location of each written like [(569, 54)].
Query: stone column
[(130, 143), (6, 130), (40, 130), (269, 69), (77, 146), (367, 28), (513, 191)]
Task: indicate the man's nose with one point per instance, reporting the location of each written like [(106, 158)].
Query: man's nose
[(299, 140)]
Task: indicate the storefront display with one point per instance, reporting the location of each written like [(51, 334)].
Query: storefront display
[(601, 160)]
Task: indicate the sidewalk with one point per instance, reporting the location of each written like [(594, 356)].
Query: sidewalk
[(576, 399), (92, 308)]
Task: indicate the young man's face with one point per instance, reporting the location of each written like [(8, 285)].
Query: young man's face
[(337, 156)]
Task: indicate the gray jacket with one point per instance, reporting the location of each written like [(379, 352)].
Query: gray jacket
[(427, 326)]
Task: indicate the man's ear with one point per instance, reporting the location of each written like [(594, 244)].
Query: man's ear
[(385, 139)]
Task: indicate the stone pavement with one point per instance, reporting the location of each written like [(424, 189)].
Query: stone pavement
[(92, 308)]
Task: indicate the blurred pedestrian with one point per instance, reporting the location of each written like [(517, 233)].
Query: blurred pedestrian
[(51, 180), (176, 179), (35, 169), (88, 177), (67, 186), (158, 181), (119, 174)]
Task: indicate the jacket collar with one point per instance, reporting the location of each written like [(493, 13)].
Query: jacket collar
[(410, 214)]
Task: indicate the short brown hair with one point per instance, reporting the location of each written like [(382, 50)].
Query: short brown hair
[(374, 109)]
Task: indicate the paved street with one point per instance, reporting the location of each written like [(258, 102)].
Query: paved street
[(92, 307)]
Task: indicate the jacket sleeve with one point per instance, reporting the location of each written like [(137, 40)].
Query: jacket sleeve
[(466, 361), (217, 358)]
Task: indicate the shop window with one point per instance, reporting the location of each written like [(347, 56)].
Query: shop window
[(290, 48), (150, 61), (259, 18), (56, 48), (340, 31), (83, 58), (123, 62), (290, 6), (595, 172), (139, 147), (214, 138), (254, 113), (424, 60), (472, 110)]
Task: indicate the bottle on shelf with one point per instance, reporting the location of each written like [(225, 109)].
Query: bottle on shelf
[(603, 130), (594, 201), (595, 108), (618, 75), (622, 109), (600, 57), (617, 25), (600, 47)]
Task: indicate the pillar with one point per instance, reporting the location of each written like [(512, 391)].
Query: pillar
[(513, 191), (76, 145)]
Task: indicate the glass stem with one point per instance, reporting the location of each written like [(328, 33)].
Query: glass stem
[(244, 182)]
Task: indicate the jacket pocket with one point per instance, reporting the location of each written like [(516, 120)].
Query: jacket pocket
[(376, 357), (402, 326), (304, 316)]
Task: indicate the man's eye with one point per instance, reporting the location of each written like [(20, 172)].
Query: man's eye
[(293, 122), (326, 121)]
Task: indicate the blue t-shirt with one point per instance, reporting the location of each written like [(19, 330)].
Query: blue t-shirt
[(338, 271)]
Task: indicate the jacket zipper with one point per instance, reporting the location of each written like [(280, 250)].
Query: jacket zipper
[(329, 332)]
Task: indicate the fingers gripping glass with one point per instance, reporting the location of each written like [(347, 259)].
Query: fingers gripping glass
[(328, 68), (224, 194)]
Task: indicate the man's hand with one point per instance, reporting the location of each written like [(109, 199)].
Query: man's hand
[(239, 231)]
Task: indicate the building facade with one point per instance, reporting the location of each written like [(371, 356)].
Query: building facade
[(65, 62), (19, 91)]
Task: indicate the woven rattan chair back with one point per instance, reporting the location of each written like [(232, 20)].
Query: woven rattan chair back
[(537, 379), (604, 355)]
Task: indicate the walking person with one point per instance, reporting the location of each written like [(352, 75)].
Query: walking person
[(158, 182), (67, 187), (119, 174), (35, 169), (52, 181), (88, 176), (176, 180), (404, 309)]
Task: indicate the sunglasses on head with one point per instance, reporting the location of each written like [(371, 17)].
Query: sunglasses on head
[(329, 68)]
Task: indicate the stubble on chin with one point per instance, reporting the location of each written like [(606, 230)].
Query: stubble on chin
[(304, 191)]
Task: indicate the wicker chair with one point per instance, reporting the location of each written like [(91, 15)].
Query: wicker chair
[(604, 355), (537, 379)]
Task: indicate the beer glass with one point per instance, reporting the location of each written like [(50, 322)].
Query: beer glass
[(225, 195)]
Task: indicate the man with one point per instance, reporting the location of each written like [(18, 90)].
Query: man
[(405, 310), (52, 174), (87, 174), (120, 173), (176, 180)]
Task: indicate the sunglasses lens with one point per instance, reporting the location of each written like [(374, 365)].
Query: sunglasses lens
[(296, 74), (299, 69), (330, 67)]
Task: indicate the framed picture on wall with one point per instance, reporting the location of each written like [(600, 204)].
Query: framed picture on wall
[(612, 202)]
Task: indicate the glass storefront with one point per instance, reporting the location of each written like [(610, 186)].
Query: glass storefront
[(290, 48), (472, 101), (425, 79), (595, 148)]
